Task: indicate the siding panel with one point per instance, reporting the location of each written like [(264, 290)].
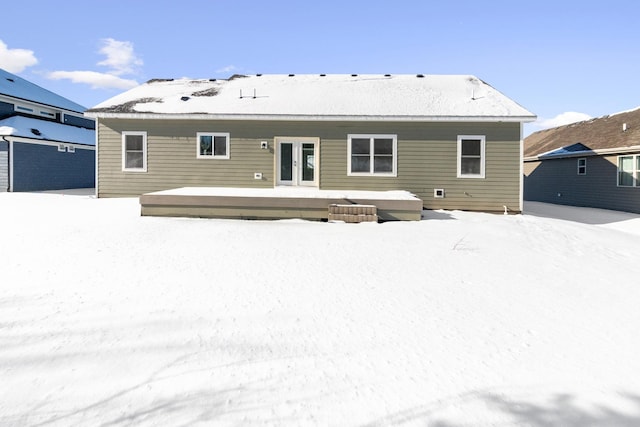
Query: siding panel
[(4, 166), (38, 167), (557, 181), (426, 158)]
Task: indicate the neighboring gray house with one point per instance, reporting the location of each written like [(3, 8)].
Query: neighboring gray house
[(452, 140), (45, 141), (593, 163)]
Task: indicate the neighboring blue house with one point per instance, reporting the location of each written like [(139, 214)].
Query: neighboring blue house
[(593, 163), (46, 143)]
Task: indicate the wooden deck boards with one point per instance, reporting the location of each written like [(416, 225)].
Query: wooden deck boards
[(273, 206)]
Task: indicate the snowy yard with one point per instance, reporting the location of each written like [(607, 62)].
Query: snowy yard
[(463, 319)]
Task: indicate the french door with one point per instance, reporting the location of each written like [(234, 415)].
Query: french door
[(297, 162)]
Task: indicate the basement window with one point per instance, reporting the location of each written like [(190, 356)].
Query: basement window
[(212, 145), (471, 156), (582, 166), (134, 151), (372, 155)]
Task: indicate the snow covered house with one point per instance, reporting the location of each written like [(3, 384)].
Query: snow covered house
[(46, 143), (593, 163), (452, 140)]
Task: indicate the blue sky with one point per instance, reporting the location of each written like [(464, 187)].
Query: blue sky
[(553, 57)]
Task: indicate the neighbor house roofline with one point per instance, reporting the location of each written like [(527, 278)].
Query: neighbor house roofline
[(15, 87), (586, 153)]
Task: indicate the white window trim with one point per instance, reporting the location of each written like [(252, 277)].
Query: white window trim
[(584, 165), (636, 171), (144, 151), (227, 135), (371, 137), (483, 157)]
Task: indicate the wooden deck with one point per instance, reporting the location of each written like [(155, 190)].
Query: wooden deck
[(277, 203)]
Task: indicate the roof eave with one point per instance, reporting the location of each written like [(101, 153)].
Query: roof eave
[(306, 117), (56, 107), (20, 138)]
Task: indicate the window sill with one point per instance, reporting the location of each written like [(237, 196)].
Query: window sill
[(379, 175)]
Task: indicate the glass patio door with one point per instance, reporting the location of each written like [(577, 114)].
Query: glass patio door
[(297, 163)]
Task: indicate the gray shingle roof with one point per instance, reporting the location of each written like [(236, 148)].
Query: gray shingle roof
[(602, 133)]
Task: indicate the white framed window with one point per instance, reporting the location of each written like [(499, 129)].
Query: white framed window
[(62, 148), (372, 155), (212, 145), (582, 166), (629, 171), (471, 156), (47, 114), (23, 108), (134, 151), (71, 149)]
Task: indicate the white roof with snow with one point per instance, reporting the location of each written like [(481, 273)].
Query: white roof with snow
[(32, 128), (17, 87), (324, 97)]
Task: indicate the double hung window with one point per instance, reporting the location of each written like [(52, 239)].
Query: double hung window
[(471, 156), (134, 151), (372, 155), (629, 171), (582, 166)]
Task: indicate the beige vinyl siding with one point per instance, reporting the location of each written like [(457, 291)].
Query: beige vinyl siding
[(427, 158), (172, 160)]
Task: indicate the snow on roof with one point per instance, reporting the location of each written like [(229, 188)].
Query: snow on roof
[(27, 127), (17, 87), (362, 97), (569, 149)]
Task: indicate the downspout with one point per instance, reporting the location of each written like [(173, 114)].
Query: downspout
[(9, 174), (521, 168), (96, 194)]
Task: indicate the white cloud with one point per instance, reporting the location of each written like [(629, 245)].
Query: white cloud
[(16, 60), (95, 79), (561, 120), (227, 69), (120, 57)]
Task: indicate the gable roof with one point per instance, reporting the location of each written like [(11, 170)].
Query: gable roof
[(602, 133), (45, 130), (17, 87), (328, 97)]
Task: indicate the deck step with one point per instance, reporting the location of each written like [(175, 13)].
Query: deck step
[(353, 213)]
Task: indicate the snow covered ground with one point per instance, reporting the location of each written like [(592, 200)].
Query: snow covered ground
[(463, 319)]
